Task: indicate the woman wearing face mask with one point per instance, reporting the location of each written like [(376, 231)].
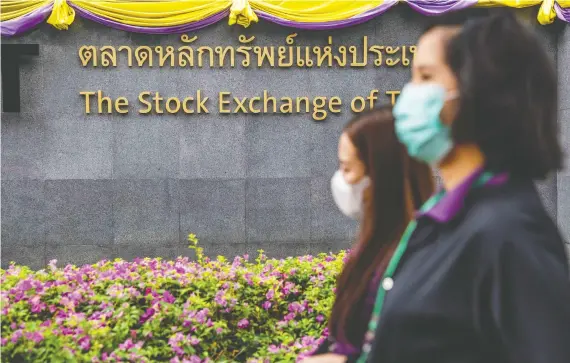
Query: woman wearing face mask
[(381, 186), (481, 275)]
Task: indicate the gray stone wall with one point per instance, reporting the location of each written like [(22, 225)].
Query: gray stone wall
[(79, 188), (563, 180)]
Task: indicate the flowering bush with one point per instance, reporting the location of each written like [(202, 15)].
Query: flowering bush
[(178, 311)]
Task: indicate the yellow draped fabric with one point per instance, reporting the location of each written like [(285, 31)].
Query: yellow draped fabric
[(508, 3), (11, 9), (241, 13), (546, 14), (314, 11), (164, 13), (154, 12), (62, 15)]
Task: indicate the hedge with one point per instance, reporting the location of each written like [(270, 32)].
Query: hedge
[(151, 310)]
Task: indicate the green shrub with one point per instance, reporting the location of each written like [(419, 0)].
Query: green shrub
[(151, 310)]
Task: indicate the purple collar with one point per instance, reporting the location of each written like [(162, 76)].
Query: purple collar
[(451, 203)]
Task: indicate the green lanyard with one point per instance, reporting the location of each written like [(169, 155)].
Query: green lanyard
[(387, 281)]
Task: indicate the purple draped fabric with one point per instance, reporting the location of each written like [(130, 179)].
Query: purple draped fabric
[(427, 7), (563, 13), (438, 7), (152, 30), (26, 22), (337, 24)]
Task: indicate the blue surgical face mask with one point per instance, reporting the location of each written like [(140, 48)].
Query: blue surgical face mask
[(418, 124)]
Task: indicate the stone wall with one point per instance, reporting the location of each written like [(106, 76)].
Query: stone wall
[(563, 185), (79, 188)]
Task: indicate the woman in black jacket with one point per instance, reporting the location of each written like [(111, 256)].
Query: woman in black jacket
[(481, 275)]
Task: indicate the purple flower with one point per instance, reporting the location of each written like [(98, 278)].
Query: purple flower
[(266, 305), (320, 318), (174, 343), (84, 343), (270, 294), (128, 344), (25, 285), (295, 307), (242, 324), (168, 297), (289, 317), (16, 336), (147, 315), (273, 349), (219, 299), (194, 341), (35, 336), (202, 315)]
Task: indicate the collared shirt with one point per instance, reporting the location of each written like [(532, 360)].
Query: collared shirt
[(443, 211), (484, 279)]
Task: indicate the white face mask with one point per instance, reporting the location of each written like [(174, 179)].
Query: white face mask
[(349, 197)]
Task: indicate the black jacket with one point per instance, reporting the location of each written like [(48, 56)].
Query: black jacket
[(491, 285)]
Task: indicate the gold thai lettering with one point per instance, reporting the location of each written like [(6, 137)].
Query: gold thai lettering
[(222, 52), (390, 62), (244, 50), (378, 50), (201, 51), (282, 50), (305, 61), (285, 56), (185, 52), (405, 59), (264, 53), (323, 55), (354, 51), (108, 56), (144, 54), (340, 60), (88, 54), (165, 57), (129, 54)]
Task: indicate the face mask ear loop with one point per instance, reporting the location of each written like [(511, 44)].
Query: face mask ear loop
[(452, 95)]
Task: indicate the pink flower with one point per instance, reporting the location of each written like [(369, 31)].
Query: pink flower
[(147, 315), (289, 317), (16, 336), (168, 297), (84, 343), (128, 344), (266, 305), (194, 341), (270, 294), (273, 349), (242, 324), (174, 343), (295, 307), (52, 264), (25, 285)]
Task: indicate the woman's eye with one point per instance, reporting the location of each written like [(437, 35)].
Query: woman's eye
[(425, 77)]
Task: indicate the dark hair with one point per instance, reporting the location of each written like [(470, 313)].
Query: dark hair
[(399, 186), (508, 87)]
